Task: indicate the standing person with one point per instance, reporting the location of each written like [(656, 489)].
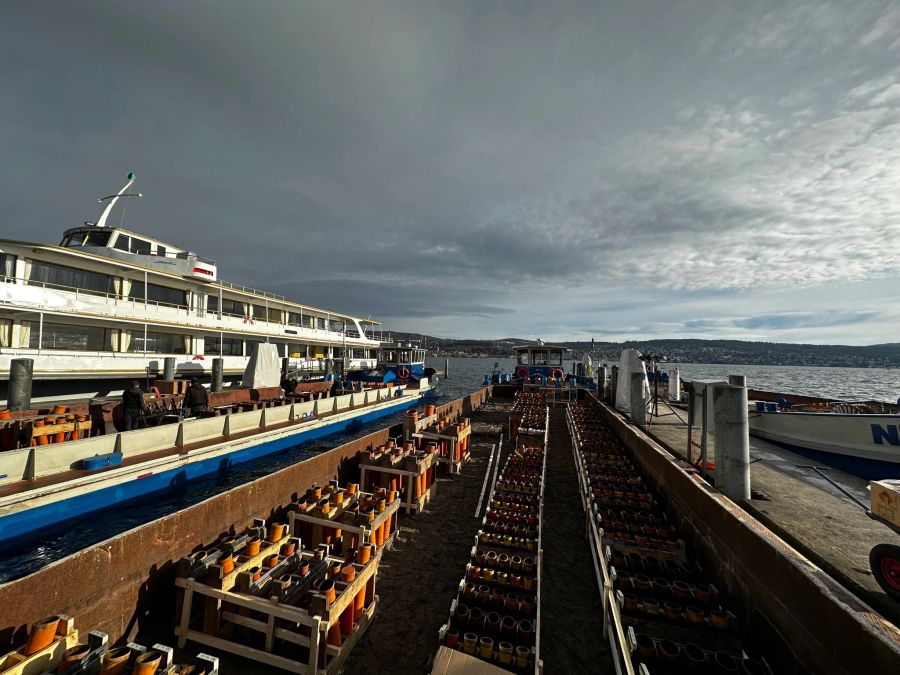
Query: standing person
[(133, 405), (196, 400)]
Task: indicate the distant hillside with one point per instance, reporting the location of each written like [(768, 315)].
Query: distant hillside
[(688, 351)]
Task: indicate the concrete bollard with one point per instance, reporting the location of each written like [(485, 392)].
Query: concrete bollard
[(602, 380), (21, 372), (218, 369), (638, 402), (738, 380), (614, 379), (674, 385), (169, 368), (732, 430)]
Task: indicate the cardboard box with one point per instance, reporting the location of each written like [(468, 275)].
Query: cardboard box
[(451, 662), (885, 496)]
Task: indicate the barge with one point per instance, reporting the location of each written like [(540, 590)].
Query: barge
[(783, 614), (44, 486)]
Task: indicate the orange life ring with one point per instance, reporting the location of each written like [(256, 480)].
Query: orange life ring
[(522, 372), (557, 374), (403, 372)]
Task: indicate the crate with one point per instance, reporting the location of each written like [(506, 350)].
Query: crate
[(285, 624)]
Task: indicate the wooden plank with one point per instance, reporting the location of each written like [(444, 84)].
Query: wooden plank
[(248, 652)]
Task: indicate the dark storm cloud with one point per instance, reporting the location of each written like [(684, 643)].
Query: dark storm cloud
[(446, 160)]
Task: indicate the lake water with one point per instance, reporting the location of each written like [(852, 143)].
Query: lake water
[(879, 384)]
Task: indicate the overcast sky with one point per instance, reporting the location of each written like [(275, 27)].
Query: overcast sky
[(563, 170)]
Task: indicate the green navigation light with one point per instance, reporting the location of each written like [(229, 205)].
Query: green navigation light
[(131, 175)]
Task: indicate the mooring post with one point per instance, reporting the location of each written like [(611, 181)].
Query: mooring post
[(169, 368), (218, 368), (602, 380), (638, 400), (674, 385), (615, 385), (732, 431), (446, 367), (21, 372), (285, 366)]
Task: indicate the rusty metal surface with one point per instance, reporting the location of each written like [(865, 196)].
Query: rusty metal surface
[(125, 587), (784, 597)]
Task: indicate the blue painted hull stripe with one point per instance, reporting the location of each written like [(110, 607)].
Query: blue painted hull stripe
[(44, 517), (870, 469)]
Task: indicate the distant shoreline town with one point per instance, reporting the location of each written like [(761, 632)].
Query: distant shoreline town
[(685, 351)]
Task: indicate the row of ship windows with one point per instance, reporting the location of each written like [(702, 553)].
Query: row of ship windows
[(59, 276), (96, 339)]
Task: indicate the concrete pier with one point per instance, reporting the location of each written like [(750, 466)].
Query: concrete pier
[(799, 506)]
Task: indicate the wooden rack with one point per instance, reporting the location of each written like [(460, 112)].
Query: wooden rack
[(412, 469), (453, 449), (17, 663), (291, 623), (344, 522)]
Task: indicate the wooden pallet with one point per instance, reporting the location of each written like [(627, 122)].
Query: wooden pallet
[(284, 620)]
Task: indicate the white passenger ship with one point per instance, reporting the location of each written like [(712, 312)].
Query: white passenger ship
[(108, 305)]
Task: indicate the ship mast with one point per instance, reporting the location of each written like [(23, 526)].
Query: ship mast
[(114, 198)]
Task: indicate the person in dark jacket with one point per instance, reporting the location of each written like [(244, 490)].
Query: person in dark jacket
[(133, 405), (196, 400)]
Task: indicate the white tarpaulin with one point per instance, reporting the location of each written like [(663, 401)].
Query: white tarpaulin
[(629, 362), (264, 367)]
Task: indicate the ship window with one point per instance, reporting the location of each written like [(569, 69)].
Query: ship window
[(555, 358), (140, 246), (160, 343), (7, 267), (64, 336), (294, 319), (230, 346), (358, 353), (69, 278), (160, 250), (212, 303), (95, 238), (121, 242), (539, 358), (233, 307), (249, 346), (523, 358), (259, 312), (162, 295)]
